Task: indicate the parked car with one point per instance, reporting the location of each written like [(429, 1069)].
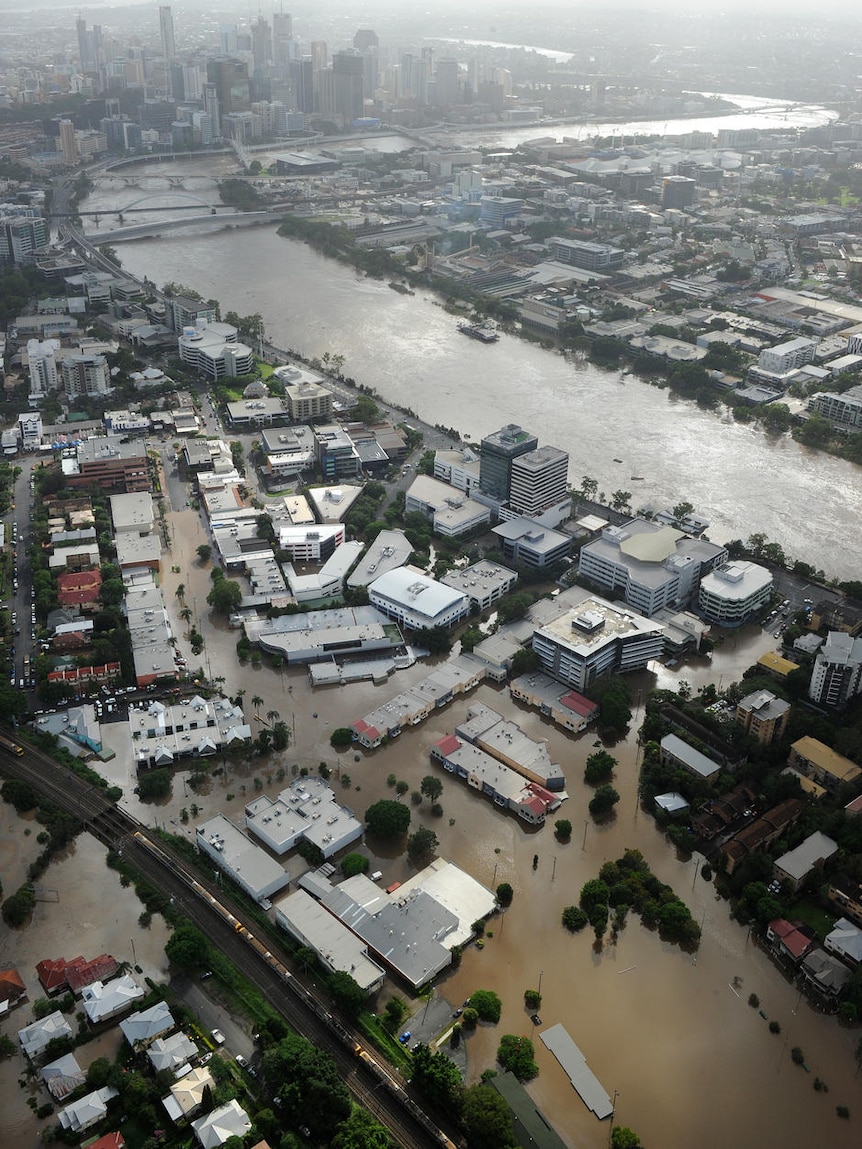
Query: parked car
[(241, 1061), (405, 1036), (218, 1037)]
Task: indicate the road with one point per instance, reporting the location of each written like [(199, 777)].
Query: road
[(294, 1001)]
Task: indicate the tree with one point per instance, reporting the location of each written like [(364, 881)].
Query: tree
[(594, 892), (505, 893), (431, 787), (205, 552), (394, 1013), (574, 918), (524, 661), (518, 1056), (603, 801), (486, 1004), (514, 606), (340, 738), (437, 1077), (360, 1131), (153, 784), (187, 948), (388, 819), (624, 1138), (620, 500), (562, 829), (310, 1089), (257, 702), (280, 736), (487, 1119), (225, 596), (436, 639), (354, 864), (421, 845), (346, 993), (599, 767), (589, 487)]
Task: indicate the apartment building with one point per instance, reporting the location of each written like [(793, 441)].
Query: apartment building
[(837, 674)]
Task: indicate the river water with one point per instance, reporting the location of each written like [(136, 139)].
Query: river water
[(408, 349)]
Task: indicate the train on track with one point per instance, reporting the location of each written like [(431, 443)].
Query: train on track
[(384, 1076), (11, 747)]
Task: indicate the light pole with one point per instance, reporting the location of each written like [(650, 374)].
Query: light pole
[(613, 1115), (541, 974), (584, 843)]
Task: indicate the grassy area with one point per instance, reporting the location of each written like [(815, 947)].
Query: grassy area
[(265, 369), (383, 1040), (820, 920)]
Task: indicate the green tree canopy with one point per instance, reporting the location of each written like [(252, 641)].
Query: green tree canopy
[(599, 767), (421, 845), (518, 1056), (437, 1077), (187, 948), (310, 1089), (346, 993), (487, 1004), (431, 787), (361, 1131), (225, 596), (487, 1119), (388, 819)]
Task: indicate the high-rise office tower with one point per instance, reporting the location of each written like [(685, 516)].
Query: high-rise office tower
[(68, 142), (232, 85), (261, 43), (282, 38), (166, 27), (539, 481), (348, 75), (302, 75), (319, 55), (366, 42), (209, 97), (448, 88), (497, 453)]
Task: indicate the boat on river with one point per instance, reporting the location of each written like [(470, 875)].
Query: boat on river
[(485, 332)]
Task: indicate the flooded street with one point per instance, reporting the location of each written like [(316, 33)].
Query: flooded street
[(673, 1034)]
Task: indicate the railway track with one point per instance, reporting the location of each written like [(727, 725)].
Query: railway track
[(204, 904)]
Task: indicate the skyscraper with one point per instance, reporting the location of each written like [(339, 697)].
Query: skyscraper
[(497, 453), (166, 27), (68, 142), (348, 70), (261, 43), (230, 78), (448, 89), (282, 38)]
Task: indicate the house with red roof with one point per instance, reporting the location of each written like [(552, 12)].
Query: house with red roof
[(787, 940), (77, 973), (79, 588), (12, 989), (109, 1141)]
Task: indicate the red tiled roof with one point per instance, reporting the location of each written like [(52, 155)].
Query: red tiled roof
[(11, 986), (109, 1141), (51, 973), (448, 744), (578, 703), (79, 587), (99, 969)]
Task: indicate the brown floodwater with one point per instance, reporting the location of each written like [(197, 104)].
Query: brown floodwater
[(671, 1032), (82, 909)]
